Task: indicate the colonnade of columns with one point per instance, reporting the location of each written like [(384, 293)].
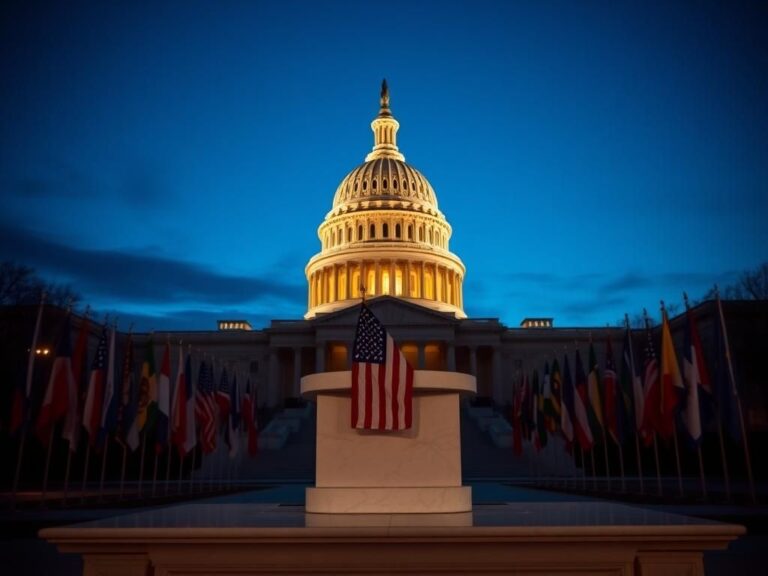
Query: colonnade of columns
[(321, 351), (423, 280)]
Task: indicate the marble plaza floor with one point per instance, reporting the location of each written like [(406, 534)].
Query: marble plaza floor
[(494, 503)]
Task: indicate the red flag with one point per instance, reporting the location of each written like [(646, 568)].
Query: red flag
[(249, 418), (71, 430), (651, 395), (179, 407), (22, 395), (612, 396), (94, 398), (672, 387), (382, 379), (56, 400)]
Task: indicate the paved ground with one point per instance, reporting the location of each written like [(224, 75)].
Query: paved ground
[(494, 474)]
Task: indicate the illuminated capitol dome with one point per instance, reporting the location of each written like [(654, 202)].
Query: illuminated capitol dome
[(385, 234)]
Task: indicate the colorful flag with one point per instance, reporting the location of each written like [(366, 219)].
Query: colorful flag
[(672, 388), (163, 401), (94, 397), (250, 420), (541, 428), (566, 406), (71, 431), (179, 407), (20, 406), (595, 408), (111, 400), (147, 407), (231, 438), (205, 409), (56, 400), (696, 376), (580, 403), (382, 379), (127, 426), (724, 384), (613, 407), (551, 402), (190, 437), (651, 394), (631, 385), (223, 398)]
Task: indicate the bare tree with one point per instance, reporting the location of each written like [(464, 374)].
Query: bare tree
[(20, 284), (754, 283)]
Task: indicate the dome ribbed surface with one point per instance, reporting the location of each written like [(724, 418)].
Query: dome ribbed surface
[(385, 179)]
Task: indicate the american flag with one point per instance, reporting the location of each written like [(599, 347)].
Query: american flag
[(382, 379), (205, 408), (651, 392), (94, 398)]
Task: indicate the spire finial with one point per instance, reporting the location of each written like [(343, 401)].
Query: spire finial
[(384, 94)]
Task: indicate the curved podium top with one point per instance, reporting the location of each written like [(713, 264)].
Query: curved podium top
[(423, 381)]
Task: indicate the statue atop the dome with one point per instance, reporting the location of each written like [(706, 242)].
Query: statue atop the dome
[(384, 94)]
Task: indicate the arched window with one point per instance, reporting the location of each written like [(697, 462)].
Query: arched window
[(394, 184), (397, 230), (385, 230), (356, 183), (431, 236), (360, 232), (365, 185), (349, 233), (372, 232), (421, 234), (405, 184), (374, 183), (384, 183), (333, 238), (410, 231)]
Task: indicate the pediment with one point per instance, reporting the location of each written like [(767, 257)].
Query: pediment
[(391, 312)]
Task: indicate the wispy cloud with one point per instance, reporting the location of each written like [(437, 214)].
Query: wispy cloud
[(141, 278)]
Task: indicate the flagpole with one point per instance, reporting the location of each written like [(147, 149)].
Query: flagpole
[(665, 321), (66, 477), (632, 376), (85, 471), (141, 461), (154, 475), (723, 458), (167, 468), (621, 468), (47, 466), (27, 393), (701, 472), (594, 470), (677, 461), (735, 392), (181, 473), (103, 467), (192, 471), (639, 463), (658, 468), (122, 471)]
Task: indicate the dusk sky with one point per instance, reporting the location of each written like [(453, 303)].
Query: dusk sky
[(172, 161)]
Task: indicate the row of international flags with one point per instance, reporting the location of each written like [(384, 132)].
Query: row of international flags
[(181, 409), (646, 399)]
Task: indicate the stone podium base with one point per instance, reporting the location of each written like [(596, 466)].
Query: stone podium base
[(415, 471), (522, 538), (444, 500)]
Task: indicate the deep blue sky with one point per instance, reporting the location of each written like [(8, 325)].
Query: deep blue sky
[(173, 160)]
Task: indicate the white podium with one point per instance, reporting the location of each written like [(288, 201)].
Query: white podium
[(406, 472)]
